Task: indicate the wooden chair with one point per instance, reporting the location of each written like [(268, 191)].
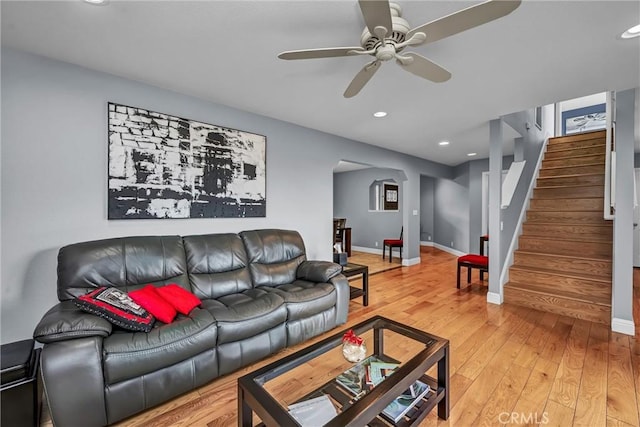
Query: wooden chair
[(392, 243), (338, 231), (470, 261)]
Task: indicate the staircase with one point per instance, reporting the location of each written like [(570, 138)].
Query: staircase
[(563, 261)]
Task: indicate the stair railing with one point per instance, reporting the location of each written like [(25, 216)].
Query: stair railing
[(610, 159)]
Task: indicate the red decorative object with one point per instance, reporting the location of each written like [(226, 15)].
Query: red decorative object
[(180, 298), (351, 337), (151, 300), (353, 348), (117, 307)]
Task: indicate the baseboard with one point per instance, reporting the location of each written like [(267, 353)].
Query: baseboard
[(412, 261), (426, 243), (623, 326), (448, 249), (494, 298), (367, 250)]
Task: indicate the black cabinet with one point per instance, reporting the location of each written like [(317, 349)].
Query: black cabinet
[(20, 389)]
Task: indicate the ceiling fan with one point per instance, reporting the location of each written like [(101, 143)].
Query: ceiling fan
[(387, 33)]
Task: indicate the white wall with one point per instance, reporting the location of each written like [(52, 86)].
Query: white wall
[(54, 175)]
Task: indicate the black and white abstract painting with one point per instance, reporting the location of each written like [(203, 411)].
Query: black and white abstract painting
[(162, 166)]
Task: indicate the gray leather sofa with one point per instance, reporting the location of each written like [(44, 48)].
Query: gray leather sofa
[(259, 295)]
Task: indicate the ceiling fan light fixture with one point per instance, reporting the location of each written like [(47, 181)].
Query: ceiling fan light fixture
[(472, 154), (380, 114), (443, 143), (632, 32), (96, 2)]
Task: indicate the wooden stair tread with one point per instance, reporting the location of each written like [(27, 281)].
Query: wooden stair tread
[(580, 257), (568, 186), (579, 136), (594, 143), (559, 294), (576, 211), (552, 197), (580, 224), (571, 166), (590, 277), (577, 155), (564, 239), (572, 175)]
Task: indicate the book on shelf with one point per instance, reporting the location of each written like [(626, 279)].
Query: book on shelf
[(365, 375), (407, 400), (313, 412)]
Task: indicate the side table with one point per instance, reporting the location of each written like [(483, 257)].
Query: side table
[(351, 270)]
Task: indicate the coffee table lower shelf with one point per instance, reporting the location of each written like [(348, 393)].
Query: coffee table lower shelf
[(356, 411)]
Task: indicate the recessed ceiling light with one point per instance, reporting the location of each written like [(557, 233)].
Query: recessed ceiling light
[(632, 32), (443, 143), (472, 154), (96, 2), (379, 114)]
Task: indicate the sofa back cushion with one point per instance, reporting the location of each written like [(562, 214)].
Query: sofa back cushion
[(127, 263), (217, 265), (274, 255)]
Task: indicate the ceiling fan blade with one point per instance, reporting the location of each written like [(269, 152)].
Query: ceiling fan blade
[(465, 19), (377, 13), (320, 53), (422, 67), (361, 79)]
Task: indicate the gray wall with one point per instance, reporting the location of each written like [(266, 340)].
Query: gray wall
[(54, 175), (533, 141), (466, 193), (451, 210), (351, 201), (636, 160), (427, 207)]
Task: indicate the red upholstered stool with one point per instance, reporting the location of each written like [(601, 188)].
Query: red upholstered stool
[(470, 261)]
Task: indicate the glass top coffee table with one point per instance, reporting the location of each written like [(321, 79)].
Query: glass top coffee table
[(413, 360)]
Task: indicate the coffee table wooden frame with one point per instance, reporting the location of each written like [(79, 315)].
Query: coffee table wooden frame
[(252, 397)]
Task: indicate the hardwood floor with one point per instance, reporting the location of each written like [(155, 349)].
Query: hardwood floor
[(375, 262), (510, 365)]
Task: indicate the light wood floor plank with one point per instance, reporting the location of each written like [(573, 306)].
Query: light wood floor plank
[(567, 380), (591, 408), (557, 415), (504, 397), (620, 405)]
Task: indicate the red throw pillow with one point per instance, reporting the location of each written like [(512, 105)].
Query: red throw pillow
[(117, 307), (180, 298), (149, 298)]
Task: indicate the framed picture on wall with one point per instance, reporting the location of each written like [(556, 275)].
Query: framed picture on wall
[(390, 197), (163, 166), (585, 119)]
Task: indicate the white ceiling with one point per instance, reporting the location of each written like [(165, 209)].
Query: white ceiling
[(225, 52)]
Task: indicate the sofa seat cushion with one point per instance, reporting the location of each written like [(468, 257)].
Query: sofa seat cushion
[(304, 298), (246, 314), (132, 354)]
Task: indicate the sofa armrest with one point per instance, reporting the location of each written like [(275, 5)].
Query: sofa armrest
[(318, 271), (65, 321), (74, 382), (341, 284)]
